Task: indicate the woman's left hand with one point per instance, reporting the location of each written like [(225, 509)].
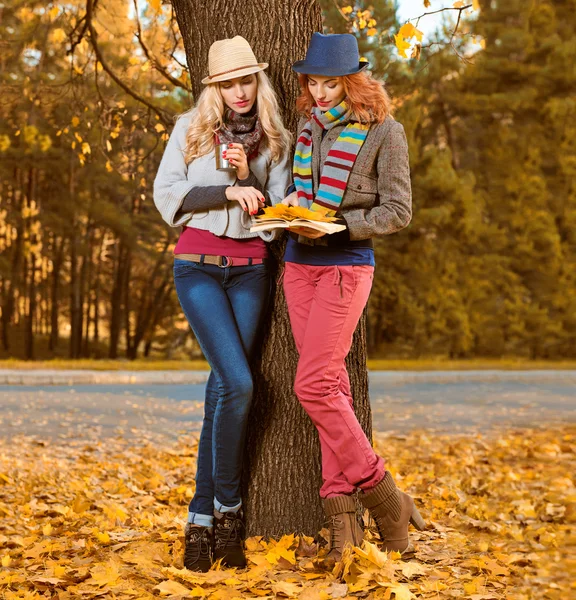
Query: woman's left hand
[(307, 232), (237, 157)]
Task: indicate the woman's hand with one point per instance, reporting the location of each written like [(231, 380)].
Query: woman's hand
[(237, 157), (248, 197), (307, 232), (291, 199)]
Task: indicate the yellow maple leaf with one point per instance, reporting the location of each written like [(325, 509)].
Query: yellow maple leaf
[(286, 589), (47, 529), (59, 571), (102, 537), (172, 588), (426, 3), (253, 544), (402, 45), (400, 591), (458, 4), (105, 574), (476, 4), (408, 31), (287, 540), (372, 31), (371, 553), (6, 560), (347, 10)]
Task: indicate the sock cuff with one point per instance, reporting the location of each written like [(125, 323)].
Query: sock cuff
[(222, 508), (199, 519)]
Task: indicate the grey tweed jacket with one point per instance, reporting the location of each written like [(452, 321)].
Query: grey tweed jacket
[(378, 198)]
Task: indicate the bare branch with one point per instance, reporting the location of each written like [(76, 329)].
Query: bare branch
[(456, 28), (461, 8)]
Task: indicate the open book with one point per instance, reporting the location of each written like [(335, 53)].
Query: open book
[(282, 216)]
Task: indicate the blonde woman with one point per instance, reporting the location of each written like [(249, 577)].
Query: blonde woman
[(220, 271)]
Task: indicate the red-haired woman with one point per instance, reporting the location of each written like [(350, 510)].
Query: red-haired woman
[(351, 161)]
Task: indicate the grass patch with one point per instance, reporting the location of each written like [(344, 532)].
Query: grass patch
[(373, 364), (107, 365)]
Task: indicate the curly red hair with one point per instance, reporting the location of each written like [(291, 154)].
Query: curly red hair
[(367, 97)]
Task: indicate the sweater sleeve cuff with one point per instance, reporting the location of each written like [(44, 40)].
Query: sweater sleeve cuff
[(253, 181), (204, 198)]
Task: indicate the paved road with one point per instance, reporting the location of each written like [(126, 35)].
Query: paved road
[(443, 401)]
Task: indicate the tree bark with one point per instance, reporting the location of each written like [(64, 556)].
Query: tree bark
[(277, 30), (282, 468)]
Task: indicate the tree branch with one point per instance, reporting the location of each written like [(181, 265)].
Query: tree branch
[(90, 7), (153, 60), (100, 58), (461, 8)]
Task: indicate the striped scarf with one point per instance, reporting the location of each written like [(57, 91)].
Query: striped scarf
[(338, 163)]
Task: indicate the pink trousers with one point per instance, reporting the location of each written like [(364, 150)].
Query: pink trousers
[(325, 304)]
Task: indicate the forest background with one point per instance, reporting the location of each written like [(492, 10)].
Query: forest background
[(487, 267)]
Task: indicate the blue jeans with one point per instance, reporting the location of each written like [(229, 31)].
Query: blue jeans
[(224, 307)]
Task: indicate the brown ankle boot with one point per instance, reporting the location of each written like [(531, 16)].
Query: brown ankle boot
[(392, 510), (344, 527)]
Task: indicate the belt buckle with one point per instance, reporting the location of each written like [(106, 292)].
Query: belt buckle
[(225, 261)]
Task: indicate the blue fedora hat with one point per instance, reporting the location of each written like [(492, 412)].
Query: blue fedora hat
[(335, 54)]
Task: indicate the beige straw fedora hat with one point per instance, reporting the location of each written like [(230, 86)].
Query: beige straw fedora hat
[(231, 58)]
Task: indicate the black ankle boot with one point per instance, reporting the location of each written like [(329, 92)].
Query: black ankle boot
[(229, 538), (197, 548)]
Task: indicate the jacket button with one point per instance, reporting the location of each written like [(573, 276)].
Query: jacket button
[(359, 187)]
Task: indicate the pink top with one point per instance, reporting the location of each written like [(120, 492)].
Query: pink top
[(199, 241)]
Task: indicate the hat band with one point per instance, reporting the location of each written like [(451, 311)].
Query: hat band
[(232, 71)]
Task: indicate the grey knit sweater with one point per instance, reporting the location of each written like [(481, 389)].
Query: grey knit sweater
[(175, 179)]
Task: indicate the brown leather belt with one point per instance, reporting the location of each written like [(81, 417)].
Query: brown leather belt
[(221, 261)]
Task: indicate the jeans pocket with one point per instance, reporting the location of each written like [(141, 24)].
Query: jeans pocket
[(184, 267)]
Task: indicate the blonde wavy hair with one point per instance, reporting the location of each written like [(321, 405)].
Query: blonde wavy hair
[(208, 113)]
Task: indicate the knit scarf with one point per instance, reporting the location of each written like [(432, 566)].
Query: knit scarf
[(241, 129), (339, 161)]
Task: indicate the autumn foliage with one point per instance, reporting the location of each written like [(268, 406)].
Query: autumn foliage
[(105, 519)]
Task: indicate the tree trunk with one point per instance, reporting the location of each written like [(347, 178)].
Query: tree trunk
[(278, 31), (116, 304), (58, 259), (282, 466), (13, 282)]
